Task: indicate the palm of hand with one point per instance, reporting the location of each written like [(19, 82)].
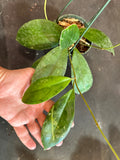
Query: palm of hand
[(21, 116)]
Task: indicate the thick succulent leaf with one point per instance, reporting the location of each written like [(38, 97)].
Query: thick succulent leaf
[(44, 89), (59, 120), (98, 38), (54, 63), (83, 73), (39, 34), (69, 36), (35, 64)]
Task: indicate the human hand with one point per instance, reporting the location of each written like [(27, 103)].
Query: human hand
[(22, 117)]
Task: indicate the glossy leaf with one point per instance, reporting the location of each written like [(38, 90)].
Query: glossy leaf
[(35, 64), (44, 89), (69, 36), (83, 73), (59, 120), (54, 63), (39, 34), (98, 38)]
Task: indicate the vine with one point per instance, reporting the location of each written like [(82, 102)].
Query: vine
[(64, 9), (45, 12), (91, 112)]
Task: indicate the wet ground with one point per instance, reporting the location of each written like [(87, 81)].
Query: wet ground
[(84, 141)]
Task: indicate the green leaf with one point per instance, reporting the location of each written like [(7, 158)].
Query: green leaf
[(69, 36), (83, 73), (54, 63), (98, 38), (39, 34), (35, 64), (45, 88), (59, 120)]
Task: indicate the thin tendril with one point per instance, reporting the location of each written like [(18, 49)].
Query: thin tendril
[(45, 12), (92, 114), (112, 47), (64, 9)]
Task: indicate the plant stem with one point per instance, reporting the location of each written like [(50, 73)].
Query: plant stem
[(112, 47), (45, 12), (92, 114), (64, 9)]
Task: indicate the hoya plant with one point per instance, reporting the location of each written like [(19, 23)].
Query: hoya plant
[(68, 38)]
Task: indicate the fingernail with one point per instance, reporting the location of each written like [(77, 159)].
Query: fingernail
[(32, 148), (73, 124), (31, 145), (48, 149), (59, 144)]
